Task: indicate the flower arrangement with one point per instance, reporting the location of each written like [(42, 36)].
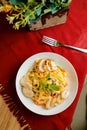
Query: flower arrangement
[(23, 12)]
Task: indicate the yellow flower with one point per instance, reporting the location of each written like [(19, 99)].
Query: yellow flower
[(1, 8), (7, 7), (16, 25), (10, 19)]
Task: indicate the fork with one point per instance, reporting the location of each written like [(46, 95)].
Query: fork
[(53, 42)]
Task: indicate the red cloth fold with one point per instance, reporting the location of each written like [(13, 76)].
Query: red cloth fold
[(17, 46)]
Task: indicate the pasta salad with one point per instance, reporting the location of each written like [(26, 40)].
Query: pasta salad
[(45, 83)]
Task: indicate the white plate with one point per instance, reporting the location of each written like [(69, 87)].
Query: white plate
[(73, 83)]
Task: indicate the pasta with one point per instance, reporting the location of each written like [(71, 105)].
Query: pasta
[(45, 83)]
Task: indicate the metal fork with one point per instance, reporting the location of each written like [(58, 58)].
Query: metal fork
[(53, 42)]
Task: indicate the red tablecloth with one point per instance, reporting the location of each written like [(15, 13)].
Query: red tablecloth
[(17, 46)]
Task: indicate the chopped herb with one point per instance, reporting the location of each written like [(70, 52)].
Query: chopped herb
[(54, 87), (44, 86), (48, 77)]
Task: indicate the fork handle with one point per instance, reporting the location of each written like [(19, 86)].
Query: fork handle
[(75, 48)]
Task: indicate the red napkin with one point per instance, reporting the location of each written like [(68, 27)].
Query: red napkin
[(17, 46)]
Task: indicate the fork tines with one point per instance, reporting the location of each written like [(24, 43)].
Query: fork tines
[(49, 41)]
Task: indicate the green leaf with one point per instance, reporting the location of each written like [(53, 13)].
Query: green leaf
[(67, 1), (47, 11), (65, 4), (38, 12), (31, 1), (54, 87), (15, 2), (54, 10), (44, 86), (51, 1)]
